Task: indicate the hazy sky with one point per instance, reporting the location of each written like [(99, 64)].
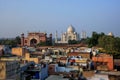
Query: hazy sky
[(21, 16)]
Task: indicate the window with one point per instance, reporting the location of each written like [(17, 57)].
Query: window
[(25, 41)]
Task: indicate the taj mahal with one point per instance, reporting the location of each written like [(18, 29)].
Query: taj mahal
[(70, 34)]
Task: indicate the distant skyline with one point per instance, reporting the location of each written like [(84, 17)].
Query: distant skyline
[(21, 16)]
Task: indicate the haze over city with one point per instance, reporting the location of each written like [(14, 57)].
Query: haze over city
[(21, 16)]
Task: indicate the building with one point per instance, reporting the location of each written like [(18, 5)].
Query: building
[(19, 51), (103, 62), (83, 35), (36, 72), (24, 65), (33, 38), (1, 52), (9, 70), (105, 75), (117, 64), (62, 60), (4, 49), (82, 54), (110, 34), (71, 34), (52, 69), (56, 77), (10, 67), (29, 58), (32, 71)]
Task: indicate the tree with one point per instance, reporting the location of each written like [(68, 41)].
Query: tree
[(72, 42), (107, 43), (12, 42), (47, 43), (93, 41), (111, 45), (18, 40)]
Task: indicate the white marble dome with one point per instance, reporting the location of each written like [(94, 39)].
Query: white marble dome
[(70, 29), (110, 34)]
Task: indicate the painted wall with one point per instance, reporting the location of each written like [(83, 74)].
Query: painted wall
[(104, 59), (18, 51)]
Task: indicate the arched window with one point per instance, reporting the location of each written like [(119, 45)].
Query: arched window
[(33, 42)]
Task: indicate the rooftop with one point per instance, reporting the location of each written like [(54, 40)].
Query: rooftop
[(56, 77)]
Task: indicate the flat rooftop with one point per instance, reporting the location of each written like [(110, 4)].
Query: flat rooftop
[(56, 77)]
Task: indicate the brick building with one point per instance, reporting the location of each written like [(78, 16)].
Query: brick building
[(33, 38), (103, 62)]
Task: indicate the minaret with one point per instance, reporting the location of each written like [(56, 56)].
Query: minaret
[(50, 38), (56, 37), (22, 39), (83, 35)]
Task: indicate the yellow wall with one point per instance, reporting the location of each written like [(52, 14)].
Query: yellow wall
[(2, 71), (27, 57), (10, 66), (18, 51), (36, 60), (81, 61)]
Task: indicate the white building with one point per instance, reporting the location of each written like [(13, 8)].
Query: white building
[(69, 35), (83, 35)]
